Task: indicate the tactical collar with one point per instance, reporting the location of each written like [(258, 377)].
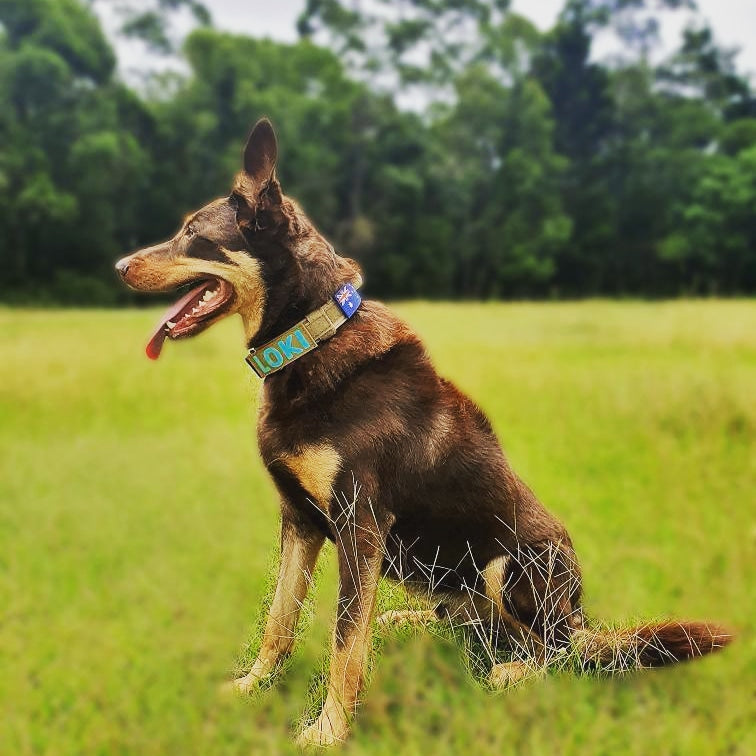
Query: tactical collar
[(305, 335)]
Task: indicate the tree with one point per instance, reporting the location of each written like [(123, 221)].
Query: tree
[(506, 162), (152, 22), (417, 46), (503, 189), (714, 248), (580, 95), (64, 27), (62, 213)]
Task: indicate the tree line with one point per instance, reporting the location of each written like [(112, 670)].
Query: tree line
[(452, 148)]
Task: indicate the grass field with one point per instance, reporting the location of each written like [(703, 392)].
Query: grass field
[(137, 525)]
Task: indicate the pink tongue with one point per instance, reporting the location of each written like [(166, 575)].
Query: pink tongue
[(155, 344)]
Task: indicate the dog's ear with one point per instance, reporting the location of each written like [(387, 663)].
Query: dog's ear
[(261, 153), (256, 193)]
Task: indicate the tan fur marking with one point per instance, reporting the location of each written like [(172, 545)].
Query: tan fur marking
[(332, 725), (315, 467), (246, 278), (493, 579), (413, 617), (509, 674), (298, 557), (157, 269), (348, 661)]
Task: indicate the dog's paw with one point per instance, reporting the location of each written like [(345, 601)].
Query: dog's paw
[(512, 673), (413, 617), (324, 732), (246, 684)]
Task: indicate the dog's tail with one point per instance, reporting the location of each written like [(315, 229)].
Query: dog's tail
[(649, 645)]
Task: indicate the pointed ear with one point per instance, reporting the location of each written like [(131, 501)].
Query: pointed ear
[(261, 153)]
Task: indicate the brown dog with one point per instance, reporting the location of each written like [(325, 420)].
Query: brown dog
[(371, 449)]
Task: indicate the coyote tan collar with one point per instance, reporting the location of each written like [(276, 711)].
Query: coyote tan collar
[(305, 335)]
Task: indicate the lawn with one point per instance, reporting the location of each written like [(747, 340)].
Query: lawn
[(137, 526)]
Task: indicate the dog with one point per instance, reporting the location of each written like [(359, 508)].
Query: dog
[(371, 449)]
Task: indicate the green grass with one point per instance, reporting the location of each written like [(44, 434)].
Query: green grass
[(137, 526)]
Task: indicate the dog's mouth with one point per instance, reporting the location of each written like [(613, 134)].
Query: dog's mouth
[(194, 312)]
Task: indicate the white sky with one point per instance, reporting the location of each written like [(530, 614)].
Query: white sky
[(734, 23)]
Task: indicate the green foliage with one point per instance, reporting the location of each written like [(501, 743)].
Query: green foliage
[(72, 173), (65, 26), (720, 218), (453, 149), (500, 158), (151, 21)]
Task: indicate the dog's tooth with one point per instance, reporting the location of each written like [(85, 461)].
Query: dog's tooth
[(170, 324)]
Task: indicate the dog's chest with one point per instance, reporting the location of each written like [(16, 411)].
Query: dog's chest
[(315, 467), (314, 463)]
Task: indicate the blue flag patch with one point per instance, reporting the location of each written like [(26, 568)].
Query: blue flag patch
[(347, 299)]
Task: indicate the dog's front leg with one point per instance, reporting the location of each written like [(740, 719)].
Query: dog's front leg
[(360, 555), (299, 552)]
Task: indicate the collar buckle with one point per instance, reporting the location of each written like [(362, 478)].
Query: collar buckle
[(320, 323)]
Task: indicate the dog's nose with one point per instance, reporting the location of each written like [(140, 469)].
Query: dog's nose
[(122, 266)]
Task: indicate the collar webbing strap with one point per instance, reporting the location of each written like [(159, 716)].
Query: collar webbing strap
[(305, 335)]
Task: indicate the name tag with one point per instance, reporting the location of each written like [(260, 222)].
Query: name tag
[(281, 351)]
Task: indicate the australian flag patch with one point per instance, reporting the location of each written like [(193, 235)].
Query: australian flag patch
[(347, 299)]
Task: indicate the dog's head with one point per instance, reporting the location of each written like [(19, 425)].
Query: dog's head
[(254, 253)]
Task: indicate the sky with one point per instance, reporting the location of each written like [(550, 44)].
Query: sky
[(734, 23)]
